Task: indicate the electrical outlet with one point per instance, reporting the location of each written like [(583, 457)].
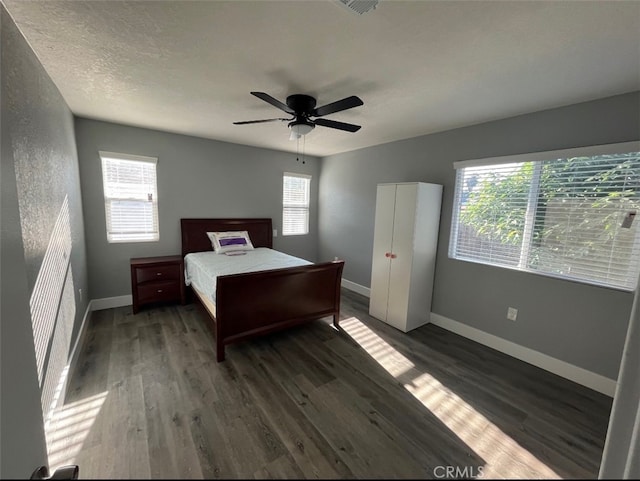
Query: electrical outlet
[(512, 313)]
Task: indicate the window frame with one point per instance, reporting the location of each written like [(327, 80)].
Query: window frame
[(114, 238), (306, 206), (537, 158)]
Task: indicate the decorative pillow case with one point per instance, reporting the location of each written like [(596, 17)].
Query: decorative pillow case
[(223, 242)]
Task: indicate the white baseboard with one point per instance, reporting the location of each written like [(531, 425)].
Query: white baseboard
[(109, 302), (66, 374), (352, 286), (563, 369), (75, 352), (94, 305)]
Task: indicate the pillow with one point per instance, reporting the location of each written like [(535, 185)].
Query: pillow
[(223, 242)]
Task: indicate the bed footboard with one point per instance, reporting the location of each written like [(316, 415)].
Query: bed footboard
[(248, 305)]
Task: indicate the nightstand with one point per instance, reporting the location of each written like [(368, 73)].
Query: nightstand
[(157, 279)]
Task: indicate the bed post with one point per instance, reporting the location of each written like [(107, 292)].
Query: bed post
[(219, 350), (336, 315), (219, 342)]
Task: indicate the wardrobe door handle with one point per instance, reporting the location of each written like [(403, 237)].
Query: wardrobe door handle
[(387, 254), (393, 256)]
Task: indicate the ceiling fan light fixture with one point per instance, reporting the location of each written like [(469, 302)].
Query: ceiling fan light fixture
[(294, 136), (301, 127)]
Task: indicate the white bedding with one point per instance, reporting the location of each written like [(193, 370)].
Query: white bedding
[(202, 268)]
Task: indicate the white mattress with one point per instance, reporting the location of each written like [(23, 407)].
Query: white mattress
[(202, 268)]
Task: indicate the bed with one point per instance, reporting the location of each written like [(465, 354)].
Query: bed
[(252, 304)]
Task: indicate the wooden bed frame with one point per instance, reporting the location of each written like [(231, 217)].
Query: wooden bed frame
[(253, 304)]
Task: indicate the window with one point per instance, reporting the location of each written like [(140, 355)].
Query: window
[(130, 197), (295, 204), (567, 214)]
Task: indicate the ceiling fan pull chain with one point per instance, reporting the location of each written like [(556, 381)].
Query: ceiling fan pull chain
[(304, 145)]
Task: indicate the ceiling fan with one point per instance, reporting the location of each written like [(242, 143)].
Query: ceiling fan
[(302, 108)]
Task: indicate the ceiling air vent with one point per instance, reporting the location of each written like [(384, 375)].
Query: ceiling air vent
[(359, 6)]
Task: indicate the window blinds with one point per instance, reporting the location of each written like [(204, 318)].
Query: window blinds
[(131, 199), (295, 204), (572, 217)]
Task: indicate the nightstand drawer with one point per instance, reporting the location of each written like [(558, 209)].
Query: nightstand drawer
[(157, 273), (159, 291)]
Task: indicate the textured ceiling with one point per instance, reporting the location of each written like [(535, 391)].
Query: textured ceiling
[(419, 66)]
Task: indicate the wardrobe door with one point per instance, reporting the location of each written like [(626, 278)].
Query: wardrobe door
[(382, 238), (401, 255)]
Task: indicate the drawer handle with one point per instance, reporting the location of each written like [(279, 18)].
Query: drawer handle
[(158, 273), (159, 290)]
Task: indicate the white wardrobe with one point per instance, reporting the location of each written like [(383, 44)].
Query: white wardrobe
[(404, 253)]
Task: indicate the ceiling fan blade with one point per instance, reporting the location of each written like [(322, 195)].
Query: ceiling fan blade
[(276, 103), (338, 106), (337, 125), (258, 121)]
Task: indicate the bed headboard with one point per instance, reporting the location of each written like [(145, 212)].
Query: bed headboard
[(194, 232)]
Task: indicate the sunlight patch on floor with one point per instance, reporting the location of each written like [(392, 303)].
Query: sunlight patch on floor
[(69, 427), (504, 457)]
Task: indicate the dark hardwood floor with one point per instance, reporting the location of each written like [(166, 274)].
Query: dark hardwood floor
[(148, 400)]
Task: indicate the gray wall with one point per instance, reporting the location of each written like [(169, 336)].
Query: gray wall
[(579, 324), (196, 178), (39, 170)]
